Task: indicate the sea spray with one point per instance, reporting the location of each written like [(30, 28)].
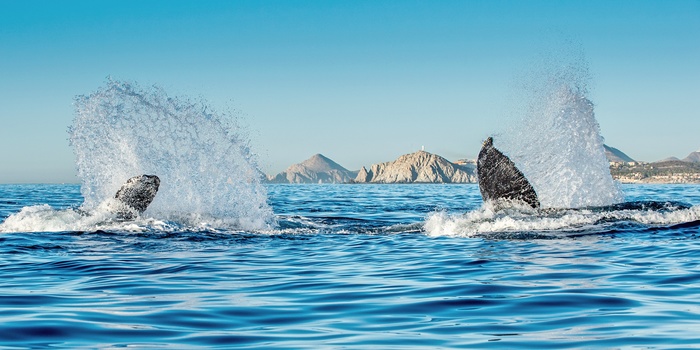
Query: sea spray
[(556, 142), (556, 223), (208, 173)]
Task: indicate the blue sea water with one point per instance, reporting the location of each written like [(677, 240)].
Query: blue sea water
[(353, 266)]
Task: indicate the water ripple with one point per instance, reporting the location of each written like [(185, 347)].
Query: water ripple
[(342, 279)]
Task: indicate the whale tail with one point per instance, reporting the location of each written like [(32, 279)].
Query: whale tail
[(137, 193), (500, 182)]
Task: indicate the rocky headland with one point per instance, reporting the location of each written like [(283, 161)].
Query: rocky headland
[(418, 167), (425, 167)]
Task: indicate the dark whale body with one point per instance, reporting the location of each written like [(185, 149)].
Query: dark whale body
[(500, 182), (137, 193)]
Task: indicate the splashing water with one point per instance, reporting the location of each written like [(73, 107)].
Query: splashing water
[(557, 223), (557, 145), (208, 173)]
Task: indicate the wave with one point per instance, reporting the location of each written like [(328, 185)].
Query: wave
[(44, 218), (521, 223), (561, 223)]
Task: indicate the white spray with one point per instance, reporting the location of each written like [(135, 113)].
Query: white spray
[(557, 142), (207, 170)]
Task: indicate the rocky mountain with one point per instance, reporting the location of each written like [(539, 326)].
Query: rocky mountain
[(614, 155), (424, 167), (693, 157), (317, 169), (418, 167)]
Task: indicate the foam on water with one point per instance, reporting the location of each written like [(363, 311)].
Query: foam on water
[(44, 218), (556, 142), (207, 170), (349, 269), (552, 223)]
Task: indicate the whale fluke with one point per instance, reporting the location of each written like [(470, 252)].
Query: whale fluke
[(500, 182), (137, 193)]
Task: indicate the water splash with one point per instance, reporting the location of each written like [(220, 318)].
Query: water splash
[(557, 142), (208, 173), (559, 223)]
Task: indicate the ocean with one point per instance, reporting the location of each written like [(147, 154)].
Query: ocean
[(353, 266)]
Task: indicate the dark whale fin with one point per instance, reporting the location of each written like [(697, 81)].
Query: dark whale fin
[(500, 182), (137, 193)]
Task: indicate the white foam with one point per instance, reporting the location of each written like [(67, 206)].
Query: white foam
[(44, 218), (485, 221)]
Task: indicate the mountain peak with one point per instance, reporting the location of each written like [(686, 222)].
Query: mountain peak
[(320, 163), (317, 169), (320, 157), (693, 157), (614, 155)]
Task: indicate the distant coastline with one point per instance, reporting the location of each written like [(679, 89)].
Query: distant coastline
[(665, 172), (424, 167)]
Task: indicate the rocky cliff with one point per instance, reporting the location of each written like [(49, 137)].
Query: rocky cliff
[(419, 167), (317, 169)]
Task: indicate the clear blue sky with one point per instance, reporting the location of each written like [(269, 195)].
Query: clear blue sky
[(360, 81)]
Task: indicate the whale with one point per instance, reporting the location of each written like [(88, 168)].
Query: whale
[(501, 183), (136, 194)]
